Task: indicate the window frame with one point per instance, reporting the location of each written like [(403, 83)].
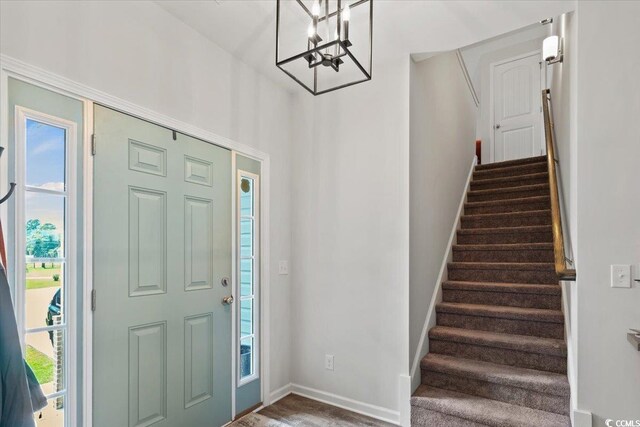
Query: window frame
[(255, 359), (70, 285)]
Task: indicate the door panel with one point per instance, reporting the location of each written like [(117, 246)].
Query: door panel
[(162, 244), (147, 374), (517, 113)]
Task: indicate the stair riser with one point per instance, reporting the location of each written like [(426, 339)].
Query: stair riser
[(514, 182), (505, 238), (503, 276), (503, 208), (504, 393), (504, 172), (518, 220), (501, 325), (507, 195), (421, 417), (518, 255), (503, 356), (509, 299)]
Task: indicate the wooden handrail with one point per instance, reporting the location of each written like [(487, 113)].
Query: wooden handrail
[(562, 271)]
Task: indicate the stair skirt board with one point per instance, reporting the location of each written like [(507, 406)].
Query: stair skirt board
[(497, 355)]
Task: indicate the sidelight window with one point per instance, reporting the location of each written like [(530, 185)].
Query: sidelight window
[(45, 282), (248, 276)]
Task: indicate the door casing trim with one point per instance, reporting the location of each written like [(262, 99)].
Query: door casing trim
[(11, 67)]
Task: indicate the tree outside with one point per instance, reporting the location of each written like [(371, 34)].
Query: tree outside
[(43, 241)]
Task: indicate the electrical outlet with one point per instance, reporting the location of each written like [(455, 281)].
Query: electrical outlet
[(328, 362), (283, 267), (620, 276)]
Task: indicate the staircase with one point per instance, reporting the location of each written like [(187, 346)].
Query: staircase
[(497, 353)]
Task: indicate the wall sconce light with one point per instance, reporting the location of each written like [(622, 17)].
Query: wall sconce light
[(552, 50)]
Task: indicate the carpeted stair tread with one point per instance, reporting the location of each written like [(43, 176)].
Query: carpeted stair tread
[(523, 204), (505, 246), (510, 181), (508, 190), (508, 163), (507, 272), (531, 379), (501, 293), (484, 411), (505, 235), (510, 171), (530, 344), (519, 288), (513, 252), (504, 215), (507, 219), (520, 266), (502, 312), (507, 230)]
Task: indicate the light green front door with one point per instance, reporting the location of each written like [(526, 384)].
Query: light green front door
[(162, 247)]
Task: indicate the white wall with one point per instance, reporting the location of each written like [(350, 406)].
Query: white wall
[(608, 206), (351, 222), (140, 53), (563, 85), (473, 54), (442, 146)]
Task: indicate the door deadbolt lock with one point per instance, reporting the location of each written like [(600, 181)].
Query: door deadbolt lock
[(225, 281), (228, 300)]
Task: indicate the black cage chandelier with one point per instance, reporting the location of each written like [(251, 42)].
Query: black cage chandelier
[(325, 45)]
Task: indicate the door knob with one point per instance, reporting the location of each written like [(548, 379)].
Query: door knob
[(497, 126), (228, 300)]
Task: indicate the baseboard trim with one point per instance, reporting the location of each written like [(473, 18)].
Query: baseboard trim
[(367, 409), (582, 418), (404, 400), (278, 394)]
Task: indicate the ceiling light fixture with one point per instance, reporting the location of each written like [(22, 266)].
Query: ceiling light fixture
[(337, 49)]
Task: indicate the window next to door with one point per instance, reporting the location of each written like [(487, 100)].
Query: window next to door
[(248, 276), (45, 267)]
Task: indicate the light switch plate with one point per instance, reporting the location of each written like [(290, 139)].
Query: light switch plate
[(620, 276), (283, 267)]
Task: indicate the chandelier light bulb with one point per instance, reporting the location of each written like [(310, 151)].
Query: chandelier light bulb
[(311, 31), (315, 9)]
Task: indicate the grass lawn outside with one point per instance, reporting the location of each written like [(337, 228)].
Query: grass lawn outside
[(38, 277), (38, 271), (39, 284), (41, 364)]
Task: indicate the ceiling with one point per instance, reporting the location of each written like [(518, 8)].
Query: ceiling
[(246, 28)]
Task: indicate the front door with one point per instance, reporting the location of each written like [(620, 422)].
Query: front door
[(162, 256), (517, 115)]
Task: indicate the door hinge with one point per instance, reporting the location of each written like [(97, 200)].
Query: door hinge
[(93, 300), (93, 144)]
